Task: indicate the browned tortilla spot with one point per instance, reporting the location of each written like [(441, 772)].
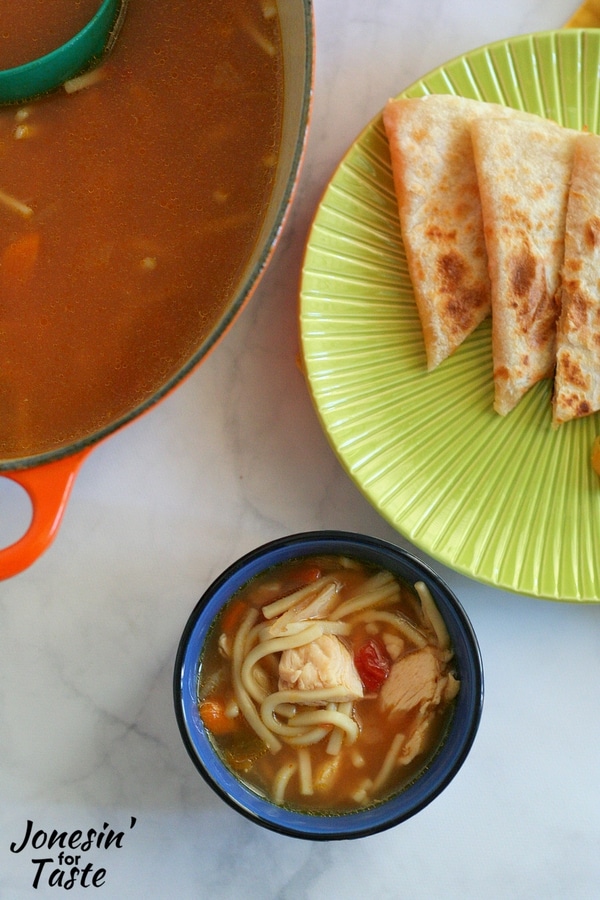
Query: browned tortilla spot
[(576, 406), (572, 266), (459, 308), (522, 273), (572, 372), (578, 306), (439, 234), (591, 234), (451, 270)]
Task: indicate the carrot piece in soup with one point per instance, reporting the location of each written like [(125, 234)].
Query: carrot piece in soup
[(233, 616), (212, 713)]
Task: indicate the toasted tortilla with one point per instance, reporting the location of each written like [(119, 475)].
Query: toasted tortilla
[(523, 169), (435, 181), (440, 216), (577, 377)]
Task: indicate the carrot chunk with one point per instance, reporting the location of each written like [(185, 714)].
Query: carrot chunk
[(232, 616), (212, 713)]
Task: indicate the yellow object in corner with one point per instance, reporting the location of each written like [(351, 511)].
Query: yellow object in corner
[(596, 455), (587, 16)]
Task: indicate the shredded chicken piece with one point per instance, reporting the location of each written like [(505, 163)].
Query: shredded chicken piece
[(416, 741), (413, 681), (323, 663)]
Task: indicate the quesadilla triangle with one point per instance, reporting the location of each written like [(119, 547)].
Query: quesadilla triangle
[(440, 215), (577, 377), (523, 170), (436, 186)]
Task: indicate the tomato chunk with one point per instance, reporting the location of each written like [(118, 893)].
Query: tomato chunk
[(309, 574), (373, 664)]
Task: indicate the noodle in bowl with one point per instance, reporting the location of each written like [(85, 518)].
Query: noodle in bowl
[(293, 690)]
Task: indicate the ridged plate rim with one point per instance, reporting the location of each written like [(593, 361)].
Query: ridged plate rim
[(509, 502)]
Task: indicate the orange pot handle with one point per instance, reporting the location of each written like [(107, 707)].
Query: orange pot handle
[(49, 487)]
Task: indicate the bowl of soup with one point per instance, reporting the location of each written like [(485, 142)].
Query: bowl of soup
[(141, 202), (328, 685)]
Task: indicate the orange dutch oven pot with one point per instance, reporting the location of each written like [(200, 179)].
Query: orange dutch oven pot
[(49, 478)]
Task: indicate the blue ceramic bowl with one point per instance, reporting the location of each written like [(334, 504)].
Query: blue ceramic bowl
[(436, 776)]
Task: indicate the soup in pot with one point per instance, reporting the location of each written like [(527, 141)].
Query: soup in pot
[(130, 203), (327, 685), (32, 28)]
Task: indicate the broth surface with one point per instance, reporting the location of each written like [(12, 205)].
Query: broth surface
[(138, 203), (386, 734), (32, 28)]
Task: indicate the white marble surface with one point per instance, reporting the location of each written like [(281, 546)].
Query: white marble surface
[(233, 458)]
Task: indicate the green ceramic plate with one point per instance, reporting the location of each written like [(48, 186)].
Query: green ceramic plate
[(507, 501)]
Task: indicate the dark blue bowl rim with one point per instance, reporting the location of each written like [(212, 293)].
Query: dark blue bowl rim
[(430, 783)]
